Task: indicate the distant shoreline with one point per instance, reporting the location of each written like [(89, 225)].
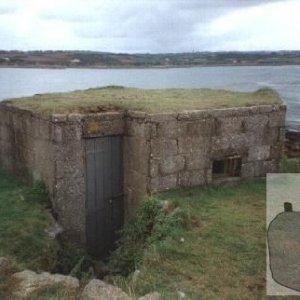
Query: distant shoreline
[(141, 67), (58, 59)]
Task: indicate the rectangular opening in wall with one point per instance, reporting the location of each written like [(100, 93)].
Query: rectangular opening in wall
[(104, 198), (227, 167)]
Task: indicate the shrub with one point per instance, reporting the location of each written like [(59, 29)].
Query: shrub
[(151, 225)]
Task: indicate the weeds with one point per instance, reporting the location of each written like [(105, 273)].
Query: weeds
[(290, 165), (54, 293), (24, 216), (204, 242), (151, 224)]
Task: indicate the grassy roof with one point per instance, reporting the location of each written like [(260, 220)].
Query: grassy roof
[(159, 100)]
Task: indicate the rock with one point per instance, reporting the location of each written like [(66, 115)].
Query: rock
[(4, 265), (99, 290), (30, 282), (180, 294), (151, 296)]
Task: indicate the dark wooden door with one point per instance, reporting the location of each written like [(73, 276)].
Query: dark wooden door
[(104, 203)]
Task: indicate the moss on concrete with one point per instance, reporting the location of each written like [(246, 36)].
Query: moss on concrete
[(114, 98)]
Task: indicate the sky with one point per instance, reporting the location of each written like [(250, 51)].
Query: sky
[(154, 26)]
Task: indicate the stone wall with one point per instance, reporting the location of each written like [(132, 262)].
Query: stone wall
[(25, 145), (47, 148), (69, 175), (136, 160), (161, 151), (68, 139), (178, 150)]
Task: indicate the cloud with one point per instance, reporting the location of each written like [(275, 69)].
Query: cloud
[(8, 8), (149, 26), (174, 26), (161, 27), (269, 26), (71, 11)]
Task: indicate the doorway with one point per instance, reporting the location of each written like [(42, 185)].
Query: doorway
[(104, 193)]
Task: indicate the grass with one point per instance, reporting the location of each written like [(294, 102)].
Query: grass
[(216, 252), (150, 225), (290, 165), (208, 243), (116, 98), (55, 292), (24, 215)]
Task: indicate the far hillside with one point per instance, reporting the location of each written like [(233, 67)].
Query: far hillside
[(92, 59)]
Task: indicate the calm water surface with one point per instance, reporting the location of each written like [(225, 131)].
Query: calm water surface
[(15, 82)]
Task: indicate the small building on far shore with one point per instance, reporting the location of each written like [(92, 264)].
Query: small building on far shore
[(75, 61), (100, 151)]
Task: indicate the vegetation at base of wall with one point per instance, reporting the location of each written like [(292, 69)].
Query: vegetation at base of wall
[(24, 215), (114, 98), (154, 221), (208, 243), (290, 165), (72, 260), (57, 292), (216, 251)]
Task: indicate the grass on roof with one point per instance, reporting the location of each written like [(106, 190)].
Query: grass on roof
[(115, 98)]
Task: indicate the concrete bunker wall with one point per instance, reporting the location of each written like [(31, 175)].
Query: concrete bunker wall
[(179, 150), (160, 151), (47, 148), (26, 148)]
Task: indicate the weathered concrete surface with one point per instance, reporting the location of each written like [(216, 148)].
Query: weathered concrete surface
[(172, 164), (160, 152), (26, 146), (103, 124), (50, 149), (183, 150)]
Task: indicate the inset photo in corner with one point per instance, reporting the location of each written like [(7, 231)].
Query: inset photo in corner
[(283, 234)]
